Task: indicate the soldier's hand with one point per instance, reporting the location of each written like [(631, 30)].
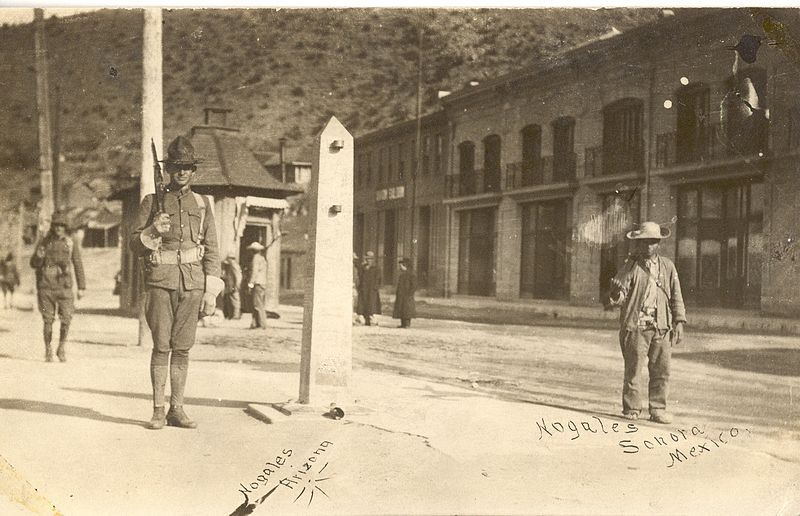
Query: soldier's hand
[(162, 223), (209, 305), (677, 336), (81, 293), (41, 251)]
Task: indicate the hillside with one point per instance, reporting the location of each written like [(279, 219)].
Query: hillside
[(282, 71)]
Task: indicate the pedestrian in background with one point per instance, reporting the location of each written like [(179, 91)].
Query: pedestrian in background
[(182, 274), (652, 316), (258, 285), (9, 279), (404, 307), (232, 276), (369, 297), (54, 259)]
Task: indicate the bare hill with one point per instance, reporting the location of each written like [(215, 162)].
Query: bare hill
[(282, 71)]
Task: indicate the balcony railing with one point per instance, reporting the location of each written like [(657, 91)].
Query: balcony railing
[(619, 159), (520, 175), (458, 185), (712, 142), (564, 167)]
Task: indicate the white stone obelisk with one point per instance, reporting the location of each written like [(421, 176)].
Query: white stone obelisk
[(326, 352)]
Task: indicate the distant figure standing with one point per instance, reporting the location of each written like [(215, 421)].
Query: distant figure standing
[(53, 258), (9, 279), (369, 298), (232, 276), (652, 316), (258, 285), (404, 308)]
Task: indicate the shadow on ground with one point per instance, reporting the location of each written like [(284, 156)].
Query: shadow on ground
[(202, 402), (257, 365), (112, 312), (775, 361), (58, 409)]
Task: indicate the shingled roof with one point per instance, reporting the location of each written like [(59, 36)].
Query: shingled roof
[(227, 162)]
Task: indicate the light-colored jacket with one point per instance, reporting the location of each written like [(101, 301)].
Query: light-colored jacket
[(258, 270)]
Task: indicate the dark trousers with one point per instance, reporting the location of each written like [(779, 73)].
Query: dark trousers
[(405, 323), (654, 347)]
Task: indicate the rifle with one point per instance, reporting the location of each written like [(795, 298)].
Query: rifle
[(158, 181)]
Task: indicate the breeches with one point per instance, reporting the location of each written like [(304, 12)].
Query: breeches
[(51, 301), (172, 316)]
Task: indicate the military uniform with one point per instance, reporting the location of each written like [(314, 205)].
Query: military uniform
[(53, 258), (179, 272)]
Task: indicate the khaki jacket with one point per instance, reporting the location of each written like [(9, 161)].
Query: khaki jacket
[(185, 233)]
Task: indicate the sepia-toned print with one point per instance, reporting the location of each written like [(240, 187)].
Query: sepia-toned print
[(399, 261)]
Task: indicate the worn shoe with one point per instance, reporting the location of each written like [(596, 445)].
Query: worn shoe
[(177, 417), (631, 415), (661, 417), (159, 419), (61, 354)]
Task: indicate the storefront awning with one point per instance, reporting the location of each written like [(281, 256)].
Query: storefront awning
[(266, 202)]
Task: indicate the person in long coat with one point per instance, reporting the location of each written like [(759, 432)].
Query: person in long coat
[(369, 298), (404, 308)]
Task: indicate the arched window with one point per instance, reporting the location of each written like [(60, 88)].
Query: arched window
[(491, 163), (466, 167), (623, 144), (531, 136), (693, 132), (563, 149)]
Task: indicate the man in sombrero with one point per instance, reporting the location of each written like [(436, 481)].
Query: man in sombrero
[(182, 274), (652, 316)]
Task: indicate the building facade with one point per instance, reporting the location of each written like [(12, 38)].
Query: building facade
[(394, 193), (551, 165)]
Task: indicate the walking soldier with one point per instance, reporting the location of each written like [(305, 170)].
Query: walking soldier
[(182, 274), (52, 259)]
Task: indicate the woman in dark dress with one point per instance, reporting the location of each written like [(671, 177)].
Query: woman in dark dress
[(404, 308), (369, 298)]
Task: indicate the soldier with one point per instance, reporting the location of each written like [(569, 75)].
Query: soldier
[(652, 316), (182, 274), (52, 259)]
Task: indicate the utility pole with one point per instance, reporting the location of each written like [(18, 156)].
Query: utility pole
[(152, 127), (417, 151), (57, 197), (43, 111)]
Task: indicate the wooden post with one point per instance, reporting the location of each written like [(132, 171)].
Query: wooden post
[(326, 352), (43, 111), (152, 127)]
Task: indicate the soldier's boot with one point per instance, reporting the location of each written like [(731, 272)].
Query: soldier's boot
[(62, 341), (178, 371), (48, 337), (158, 420), (158, 377)]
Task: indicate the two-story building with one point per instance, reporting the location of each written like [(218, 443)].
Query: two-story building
[(553, 163), (394, 193)]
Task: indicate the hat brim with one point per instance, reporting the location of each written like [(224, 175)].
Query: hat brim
[(643, 235)]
